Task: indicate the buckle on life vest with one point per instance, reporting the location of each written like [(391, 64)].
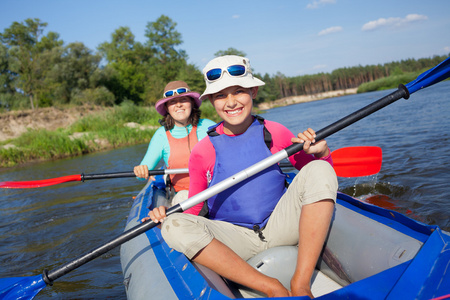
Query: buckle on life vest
[(258, 230)]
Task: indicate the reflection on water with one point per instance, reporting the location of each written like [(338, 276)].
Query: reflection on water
[(48, 227)]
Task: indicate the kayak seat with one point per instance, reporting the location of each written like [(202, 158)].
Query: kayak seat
[(279, 262), (358, 247)]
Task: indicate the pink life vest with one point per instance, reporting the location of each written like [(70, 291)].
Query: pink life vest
[(180, 150)]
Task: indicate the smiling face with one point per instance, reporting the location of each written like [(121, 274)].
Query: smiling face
[(234, 106), (180, 109)]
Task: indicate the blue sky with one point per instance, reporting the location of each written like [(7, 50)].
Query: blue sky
[(292, 37)]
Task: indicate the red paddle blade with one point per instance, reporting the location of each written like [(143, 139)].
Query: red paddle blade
[(357, 161), (38, 183)]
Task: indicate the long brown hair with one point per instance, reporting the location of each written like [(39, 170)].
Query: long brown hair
[(168, 122)]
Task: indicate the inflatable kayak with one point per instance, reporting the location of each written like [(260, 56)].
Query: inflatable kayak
[(370, 253)]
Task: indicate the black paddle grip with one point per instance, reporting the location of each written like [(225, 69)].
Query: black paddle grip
[(108, 175)]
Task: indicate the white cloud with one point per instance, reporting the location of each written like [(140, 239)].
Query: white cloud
[(393, 22), (235, 16), (318, 67), (329, 30), (318, 3), (447, 49)]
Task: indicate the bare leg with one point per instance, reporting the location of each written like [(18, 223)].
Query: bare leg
[(233, 267), (315, 221)]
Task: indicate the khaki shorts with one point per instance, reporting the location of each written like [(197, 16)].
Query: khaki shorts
[(189, 233), (180, 197)]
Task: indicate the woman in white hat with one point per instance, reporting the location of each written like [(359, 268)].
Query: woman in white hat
[(182, 129), (259, 212)]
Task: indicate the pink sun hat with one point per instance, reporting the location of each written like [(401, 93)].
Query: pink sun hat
[(176, 89)]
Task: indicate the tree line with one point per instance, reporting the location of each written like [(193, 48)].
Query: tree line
[(38, 70), (349, 77)]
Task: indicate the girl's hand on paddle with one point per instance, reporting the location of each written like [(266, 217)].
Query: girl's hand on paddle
[(141, 171), (308, 138), (157, 215)]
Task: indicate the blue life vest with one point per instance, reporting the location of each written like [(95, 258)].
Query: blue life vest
[(251, 201)]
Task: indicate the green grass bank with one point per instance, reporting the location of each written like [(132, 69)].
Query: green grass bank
[(115, 127)]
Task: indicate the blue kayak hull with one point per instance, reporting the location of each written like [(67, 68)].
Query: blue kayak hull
[(371, 252)]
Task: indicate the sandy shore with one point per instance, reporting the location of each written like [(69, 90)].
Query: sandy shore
[(308, 98), (14, 123)]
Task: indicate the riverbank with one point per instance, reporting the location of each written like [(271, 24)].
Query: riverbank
[(305, 98), (53, 133), (15, 123)]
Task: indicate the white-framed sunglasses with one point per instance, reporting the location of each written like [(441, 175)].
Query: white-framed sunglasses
[(179, 91), (234, 71)]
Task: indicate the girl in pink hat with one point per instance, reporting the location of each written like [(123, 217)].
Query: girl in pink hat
[(182, 129), (260, 212)]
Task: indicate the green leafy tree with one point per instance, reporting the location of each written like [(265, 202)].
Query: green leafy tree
[(267, 92), (230, 51), (193, 77), (122, 45), (6, 76), (127, 67), (163, 39), (73, 67), (26, 47)]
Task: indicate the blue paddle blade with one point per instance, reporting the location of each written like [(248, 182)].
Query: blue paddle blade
[(430, 77), (21, 287)]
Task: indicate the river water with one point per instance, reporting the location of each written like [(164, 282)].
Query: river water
[(45, 228)]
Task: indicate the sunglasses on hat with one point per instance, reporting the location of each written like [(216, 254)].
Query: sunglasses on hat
[(234, 71), (179, 91)]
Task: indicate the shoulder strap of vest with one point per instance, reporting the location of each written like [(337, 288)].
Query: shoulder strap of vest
[(268, 141), (267, 134), (212, 132)]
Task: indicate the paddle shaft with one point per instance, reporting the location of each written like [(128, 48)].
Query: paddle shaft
[(50, 276), (131, 174), (107, 175), (83, 177), (402, 92)]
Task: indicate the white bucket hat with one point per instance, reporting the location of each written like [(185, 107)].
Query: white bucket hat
[(221, 64)]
